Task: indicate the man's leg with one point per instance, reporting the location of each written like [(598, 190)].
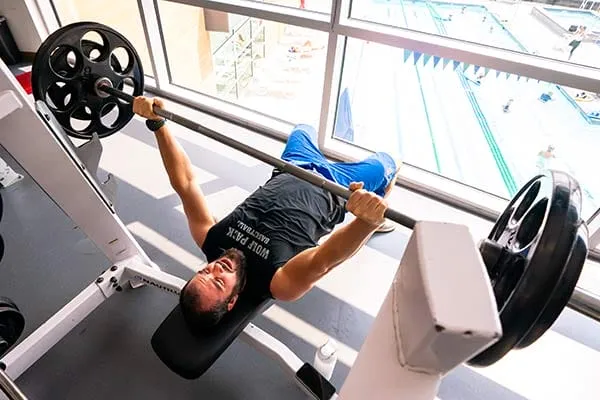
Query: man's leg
[(376, 172), (301, 148)]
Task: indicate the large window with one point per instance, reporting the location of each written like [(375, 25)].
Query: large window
[(570, 31), (269, 67), (472, 118), (126, 20), (485, 128)]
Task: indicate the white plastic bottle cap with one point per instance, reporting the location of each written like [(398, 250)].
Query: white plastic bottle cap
[(329, 348)]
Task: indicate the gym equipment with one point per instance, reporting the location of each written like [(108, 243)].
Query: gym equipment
[(190, 355), (9, 388), (11, 324), (9, 52), (534, 256), (68, 65), (523, 269), (11, 327), (412, 343), (1, 240)]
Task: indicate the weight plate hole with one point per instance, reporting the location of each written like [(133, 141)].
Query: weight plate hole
[(531, 224), (501, 224), (121, 61), (60, 96), (527, 200), (65, 62), (128, 86), (93, 45), (81, 118), (109, 115)]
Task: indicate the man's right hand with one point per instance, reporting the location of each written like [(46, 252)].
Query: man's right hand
[(143, 106)]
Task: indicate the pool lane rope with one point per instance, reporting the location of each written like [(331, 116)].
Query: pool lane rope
[(501, 164), (429, 125)]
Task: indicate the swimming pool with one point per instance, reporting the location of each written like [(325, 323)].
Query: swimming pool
[(567, 17), (446, 122)]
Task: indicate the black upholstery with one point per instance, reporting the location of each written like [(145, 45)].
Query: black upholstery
[(191, 354)]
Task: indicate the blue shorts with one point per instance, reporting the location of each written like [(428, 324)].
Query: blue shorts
[(376, 171)]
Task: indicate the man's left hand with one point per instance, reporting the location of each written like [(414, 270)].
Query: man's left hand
[(367, 206)]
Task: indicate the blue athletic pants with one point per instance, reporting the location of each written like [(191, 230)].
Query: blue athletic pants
[(375, 172)]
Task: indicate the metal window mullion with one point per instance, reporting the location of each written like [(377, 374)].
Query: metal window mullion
[(333, 73), (328, 100), (594, 229), (154, 40), (595, 239), (513, 62), (271, 12)]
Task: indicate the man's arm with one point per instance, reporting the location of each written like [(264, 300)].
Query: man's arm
[(298, 275), (180, 172)]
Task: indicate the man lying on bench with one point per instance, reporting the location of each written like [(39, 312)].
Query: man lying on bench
[(267, 246)]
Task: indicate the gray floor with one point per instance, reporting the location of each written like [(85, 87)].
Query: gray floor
[(47, 262)]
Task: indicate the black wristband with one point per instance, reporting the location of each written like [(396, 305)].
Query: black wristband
[(155, 125)]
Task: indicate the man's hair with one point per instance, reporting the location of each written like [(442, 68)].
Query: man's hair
[(198, 317)]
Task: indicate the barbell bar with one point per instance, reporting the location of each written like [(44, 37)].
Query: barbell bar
[(317, 180)]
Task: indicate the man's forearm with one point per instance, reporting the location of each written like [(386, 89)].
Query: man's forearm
[(176, 162), (343, 243)]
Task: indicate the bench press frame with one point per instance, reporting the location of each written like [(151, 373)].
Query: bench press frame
[(76, 192), (114, 280)]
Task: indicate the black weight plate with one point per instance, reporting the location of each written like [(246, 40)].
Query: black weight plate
[(12, 322), (1, 247), (538, 230), (58, 94), (563, 290), (64, 72), (1, 207), (6, 302)]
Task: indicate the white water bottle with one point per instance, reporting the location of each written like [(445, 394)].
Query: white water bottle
[(326, 358)]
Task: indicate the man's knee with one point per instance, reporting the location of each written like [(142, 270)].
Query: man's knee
[(389, 164), (305, 130)]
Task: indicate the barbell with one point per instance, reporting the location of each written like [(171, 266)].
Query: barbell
[(534, 253)]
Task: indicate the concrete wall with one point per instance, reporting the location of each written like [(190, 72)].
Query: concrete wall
[(21, 15)]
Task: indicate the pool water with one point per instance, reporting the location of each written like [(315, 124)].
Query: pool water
[(443, 120), (566, 18)]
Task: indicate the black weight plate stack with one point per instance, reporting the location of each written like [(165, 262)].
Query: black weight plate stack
[(534, 256), (11, 324), (1, 238), (66, 68)]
